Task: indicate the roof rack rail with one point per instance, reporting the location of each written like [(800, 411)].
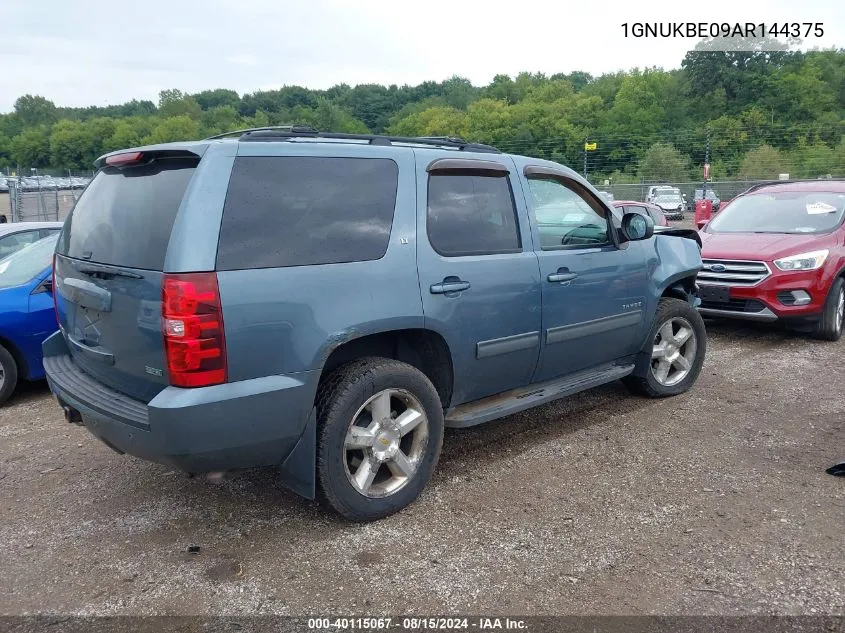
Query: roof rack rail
[(289, 128), (285, 133)]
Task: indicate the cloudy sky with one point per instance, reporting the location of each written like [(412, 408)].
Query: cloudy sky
[(91, 52)]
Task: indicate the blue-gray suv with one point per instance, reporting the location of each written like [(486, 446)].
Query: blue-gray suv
[(328, 303)]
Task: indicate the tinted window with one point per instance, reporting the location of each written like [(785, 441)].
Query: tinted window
[(471, 214), (125, 215), (299, 211), (565, 218)]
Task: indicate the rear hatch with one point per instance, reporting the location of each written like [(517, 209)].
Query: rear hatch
[(108, 271)]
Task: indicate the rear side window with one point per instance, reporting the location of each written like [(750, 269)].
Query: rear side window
[(471, 214), (299, 211), (125, 216)]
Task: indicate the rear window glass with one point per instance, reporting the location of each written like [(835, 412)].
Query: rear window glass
[(126, 215), (298, 211)]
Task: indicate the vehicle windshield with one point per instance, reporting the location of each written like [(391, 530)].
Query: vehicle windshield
[(671, 197), (711, 195), (22, 266), (781, 212)]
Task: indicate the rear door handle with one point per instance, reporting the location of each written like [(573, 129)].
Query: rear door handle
[(450, 284), (560, 276)]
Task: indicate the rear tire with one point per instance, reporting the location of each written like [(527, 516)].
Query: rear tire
[(829, 327), (675, 350), (380, 430), (8, 374)]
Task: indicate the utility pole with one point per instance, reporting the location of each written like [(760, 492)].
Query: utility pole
[(586, 140), (706, 162)]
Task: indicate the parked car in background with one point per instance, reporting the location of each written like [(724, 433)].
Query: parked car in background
[(15, 235), (671, 203), (492, 283), (656, 190), (27, 313), (606, 196), (777, 253), (4, 185), (633, 206), (711, 195)]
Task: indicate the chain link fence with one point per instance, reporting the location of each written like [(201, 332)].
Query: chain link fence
[(40, 197), (724, 190)]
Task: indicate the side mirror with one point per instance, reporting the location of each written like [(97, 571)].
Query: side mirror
[(636, 226)]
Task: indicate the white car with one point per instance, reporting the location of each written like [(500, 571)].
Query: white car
[(657, 190)]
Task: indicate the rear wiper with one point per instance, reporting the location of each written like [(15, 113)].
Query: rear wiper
[(106, 272)]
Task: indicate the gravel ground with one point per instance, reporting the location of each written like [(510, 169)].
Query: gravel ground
[(714, 502)]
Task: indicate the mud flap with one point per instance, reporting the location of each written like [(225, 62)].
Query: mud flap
[(837, 470), (299, 470)]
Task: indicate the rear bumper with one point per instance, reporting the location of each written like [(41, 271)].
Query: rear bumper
[(267, 421)]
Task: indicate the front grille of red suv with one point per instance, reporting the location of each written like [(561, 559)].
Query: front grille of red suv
[(733, 272)]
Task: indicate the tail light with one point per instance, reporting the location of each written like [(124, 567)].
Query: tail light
[(194, 339), (55, 294)]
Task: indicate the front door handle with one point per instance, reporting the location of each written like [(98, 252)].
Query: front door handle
[(449, 285), (561, 276)]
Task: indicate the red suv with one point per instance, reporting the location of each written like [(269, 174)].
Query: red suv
[(777, 253)]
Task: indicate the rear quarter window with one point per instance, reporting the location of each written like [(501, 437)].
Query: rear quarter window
[(299, 211), (125, 216)]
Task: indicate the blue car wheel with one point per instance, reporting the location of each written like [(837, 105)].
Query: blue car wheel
[(8, 374)]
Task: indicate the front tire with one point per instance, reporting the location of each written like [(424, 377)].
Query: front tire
[(380, 430), (829, 327), (8, 374), (676, 346)]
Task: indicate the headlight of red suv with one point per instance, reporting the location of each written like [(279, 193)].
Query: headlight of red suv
[(804, 261)]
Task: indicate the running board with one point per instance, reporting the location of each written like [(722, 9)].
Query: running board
[(516, 400)]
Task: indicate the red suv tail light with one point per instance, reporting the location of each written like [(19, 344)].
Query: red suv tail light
[(194, 339)]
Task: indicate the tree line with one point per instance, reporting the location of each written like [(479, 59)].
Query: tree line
[(755, 114)]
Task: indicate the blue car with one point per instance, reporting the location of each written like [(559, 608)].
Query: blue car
[(27, 314)]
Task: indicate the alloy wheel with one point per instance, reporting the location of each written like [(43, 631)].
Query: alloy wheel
[(673, 352), (385, 443)]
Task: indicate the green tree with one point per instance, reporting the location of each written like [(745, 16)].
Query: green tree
[(209, 99), (332, 118), (763, 163), (70, 145), (35, 110), (129, 132), (177, 128), (31, 148), (173, 103), (221, 119), (815, 160), (439, 121), (662, 162)]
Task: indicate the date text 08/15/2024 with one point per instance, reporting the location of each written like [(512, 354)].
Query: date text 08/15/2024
[(700, 30), (416, 624)]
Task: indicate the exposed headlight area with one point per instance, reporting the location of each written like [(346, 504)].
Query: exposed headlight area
[(804, 261)]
